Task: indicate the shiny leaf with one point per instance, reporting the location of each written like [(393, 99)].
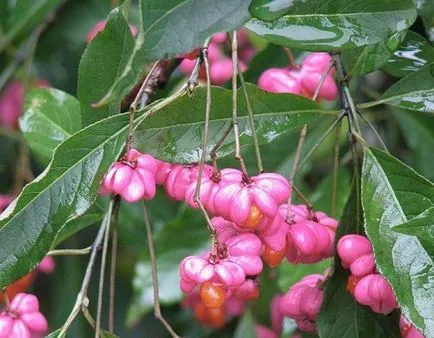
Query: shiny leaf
[(50, 117), (21, 16), (175, 132), (392, 194), (172, 27), (64, 191), (102, 62), (422, 226), (269, 10), (170, 250), (418, 130), (414, 92), (330, 25), (414, 53), (341, 315), (93, 215), (370, 58)]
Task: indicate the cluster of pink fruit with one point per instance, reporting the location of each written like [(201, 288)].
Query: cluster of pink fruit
[(220, 63), (250, 225), (365, 284), (303, 300), (22, 318), (302, 80)]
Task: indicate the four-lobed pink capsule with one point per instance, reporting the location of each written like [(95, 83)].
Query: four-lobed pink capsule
[(302, 81), (22, 319)]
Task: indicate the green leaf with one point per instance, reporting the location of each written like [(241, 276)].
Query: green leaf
[(422, 226), (102, 62), (418, 130), (175, 133), (328, 26), (166, 31), (414, 92), (22, 16), (341, 315), (269, 10), (50, 117), (93, 215), (414, 53), (64, 191), (426, 11), (170, 250), (363, 60), (392, 194), (246, 326)]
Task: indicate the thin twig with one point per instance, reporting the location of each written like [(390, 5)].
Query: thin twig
[(335, 170), (82, 299), (113, 267), (374, 130), (347, 99), (309, 205), (251, 121), (70, 252), (321, 140), (213, 152), (101, 279), (135, 103), (322, 79), (238, 156), (154, 270), (294, 169), (291, 58), (204, 141)]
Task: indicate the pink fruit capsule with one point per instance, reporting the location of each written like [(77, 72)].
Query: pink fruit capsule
[(351, 247), (317, 62), (328, 89), (280, 80)]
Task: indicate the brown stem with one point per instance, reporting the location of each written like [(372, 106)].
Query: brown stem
[(238, 156), (335, 168), (154, 271), (322, 79), (113, 260), (213, 152), (160, 77), (295, 167), (204, 141), (291, 58)]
